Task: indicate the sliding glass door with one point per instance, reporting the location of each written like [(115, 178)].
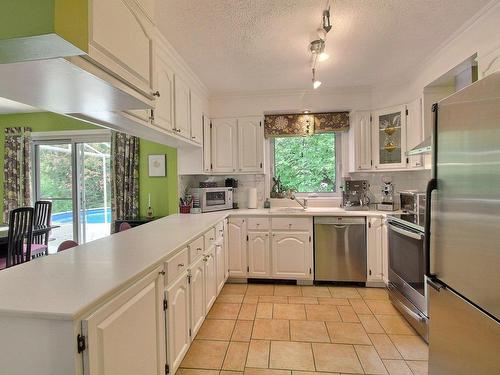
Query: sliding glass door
[(75, 175)]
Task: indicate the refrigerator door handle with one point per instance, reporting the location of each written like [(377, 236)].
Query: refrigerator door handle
[(431, 186), (434, 285)]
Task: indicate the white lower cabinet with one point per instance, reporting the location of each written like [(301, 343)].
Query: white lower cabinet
[(197, 294), (374, 254), (226, 249), (210, 277), (178, 322), (126, 335), (259, 254), (220, 266), (292, 255), (237, 247)]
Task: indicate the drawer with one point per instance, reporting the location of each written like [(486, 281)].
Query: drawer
[(219, 230), (258, 223), (291, 223), (196, 248), (177, 265), (209, 238)]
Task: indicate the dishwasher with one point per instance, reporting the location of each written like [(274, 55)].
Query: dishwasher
[(340, 249)]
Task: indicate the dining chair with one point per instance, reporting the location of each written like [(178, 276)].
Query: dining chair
[(65, 245), (43, 211), (124, 226), (20, 235)]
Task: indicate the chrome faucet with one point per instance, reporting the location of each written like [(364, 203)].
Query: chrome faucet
[(303, 205)]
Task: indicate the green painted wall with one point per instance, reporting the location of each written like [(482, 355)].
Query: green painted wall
[(163, 190)]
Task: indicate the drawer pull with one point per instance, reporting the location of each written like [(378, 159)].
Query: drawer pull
[(198, 249), (211, 239), (180, 265)]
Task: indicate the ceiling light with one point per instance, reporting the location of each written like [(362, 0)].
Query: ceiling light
[(327, 26), (315, 82), (323, 56)]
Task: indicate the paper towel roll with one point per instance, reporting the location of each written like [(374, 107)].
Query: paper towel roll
[(252, 197)]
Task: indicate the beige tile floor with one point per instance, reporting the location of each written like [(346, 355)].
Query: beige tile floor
[(260, 329)]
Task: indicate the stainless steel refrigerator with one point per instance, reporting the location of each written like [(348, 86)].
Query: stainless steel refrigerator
[(463, 233)]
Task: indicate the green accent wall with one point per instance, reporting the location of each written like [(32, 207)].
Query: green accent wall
[(34, 18), (163, 190)]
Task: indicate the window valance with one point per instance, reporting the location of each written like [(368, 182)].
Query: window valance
[(305, 124)]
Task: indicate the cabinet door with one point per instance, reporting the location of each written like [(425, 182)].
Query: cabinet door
[(178, 321), (389, 138), (182, 107), (226, 249), (292, 255), (196, 118), (414, 131), (197, 293), (220, 265), (374, 249), (363, 140), (258, 254), (250, 144), (164, 84), (210, 278), (120, 38), (224, 145), (237, 247), (207, 145), (127, 335)]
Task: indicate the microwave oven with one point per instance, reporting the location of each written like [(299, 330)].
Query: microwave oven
[(412, 202), (214, 198)]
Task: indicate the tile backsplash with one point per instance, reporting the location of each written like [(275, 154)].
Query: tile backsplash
[(245, 181), (407, 180)]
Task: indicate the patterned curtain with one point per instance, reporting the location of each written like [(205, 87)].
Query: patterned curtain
[(305, 124), (124, 177), (16, 169)]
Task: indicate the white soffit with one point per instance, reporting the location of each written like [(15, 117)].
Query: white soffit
[(258, 45), (10, 106)]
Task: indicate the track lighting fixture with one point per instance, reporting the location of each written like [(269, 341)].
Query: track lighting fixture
[(317, 47), (316, 83)]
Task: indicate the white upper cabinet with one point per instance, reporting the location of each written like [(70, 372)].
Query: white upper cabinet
[(121, 39), (414, 131), (224, 145), (259, 254), (164, 91), (361, 141), (182, 107), (126, 335), (250, 144), (389, 138), (197, 118)]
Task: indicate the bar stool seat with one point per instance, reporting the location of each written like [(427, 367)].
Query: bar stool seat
[(37, 249)]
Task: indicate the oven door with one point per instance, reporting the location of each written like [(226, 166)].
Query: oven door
[(407, 263)]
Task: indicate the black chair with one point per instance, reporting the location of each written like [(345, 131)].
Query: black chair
[(43, 212), (20, 235)]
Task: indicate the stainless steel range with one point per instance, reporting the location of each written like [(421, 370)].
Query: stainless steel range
[(407, 287)]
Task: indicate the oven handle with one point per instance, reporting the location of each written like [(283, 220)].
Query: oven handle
[(407, 233), (413, 314)]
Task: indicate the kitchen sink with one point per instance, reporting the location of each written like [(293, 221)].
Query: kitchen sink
[(288, 209)]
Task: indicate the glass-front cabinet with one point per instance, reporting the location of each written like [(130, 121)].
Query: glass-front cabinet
[(389, 138)]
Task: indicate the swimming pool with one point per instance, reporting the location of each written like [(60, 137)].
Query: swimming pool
[(92, 216)]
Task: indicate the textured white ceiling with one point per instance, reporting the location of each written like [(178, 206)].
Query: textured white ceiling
[(253, 45)]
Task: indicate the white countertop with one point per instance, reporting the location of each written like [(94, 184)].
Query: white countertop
[(68, 284)]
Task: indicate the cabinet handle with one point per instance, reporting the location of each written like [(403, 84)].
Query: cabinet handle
[(193, 137), (180, 265), (198, 249), (156, 93)]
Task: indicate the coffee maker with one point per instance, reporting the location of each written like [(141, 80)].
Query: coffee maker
[(387, 203), (355, 195)]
